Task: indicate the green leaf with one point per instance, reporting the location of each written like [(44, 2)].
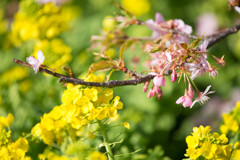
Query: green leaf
[(184, 45), (102, 65), (121, 51), (109, 75), (195, 43)]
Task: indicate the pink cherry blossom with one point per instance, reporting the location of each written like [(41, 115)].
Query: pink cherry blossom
[(202, 98), (155, 25), (159, 80), (198, 68), (159, 27), (36, 63), (181, 26), (185, 100)]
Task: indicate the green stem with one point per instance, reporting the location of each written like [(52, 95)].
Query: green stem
[(105, 140)]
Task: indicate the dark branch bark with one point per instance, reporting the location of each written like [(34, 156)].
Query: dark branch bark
[(222, 34), (110, 84)]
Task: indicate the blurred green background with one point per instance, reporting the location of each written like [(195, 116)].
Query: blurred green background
[(153, 123)]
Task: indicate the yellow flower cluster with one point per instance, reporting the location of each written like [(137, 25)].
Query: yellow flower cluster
[(56, 53), (137, 7), (11, 150), (81, 105), (34, 21), (14, 74), (203, 144), (97, 156), (231, 121)]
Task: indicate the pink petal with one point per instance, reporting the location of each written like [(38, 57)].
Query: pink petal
[(31, 60), (159, 18), (207, 89), (159, 81), (193, 103), (187, 29), (40, 56), (187, 102), (36, 67), (180, 100), (151, 24)]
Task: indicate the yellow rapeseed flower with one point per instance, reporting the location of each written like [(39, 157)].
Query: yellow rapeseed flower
[(97, 156), (126, 125), (6, 122), (230, 124), (80, 105), (137, 7), (206, 145)]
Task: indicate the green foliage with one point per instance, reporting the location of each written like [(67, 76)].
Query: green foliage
[(158, 128)]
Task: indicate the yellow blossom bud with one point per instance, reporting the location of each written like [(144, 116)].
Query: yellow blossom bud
[(126, 125), (237, 145), (108, 23)]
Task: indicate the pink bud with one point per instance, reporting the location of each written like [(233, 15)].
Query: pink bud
[(145, 87), (156, 89), (151, 93), (190, 91), (173, 76), (159, 95)]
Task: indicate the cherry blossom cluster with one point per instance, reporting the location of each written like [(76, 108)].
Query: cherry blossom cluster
[(161, 28), (173, 51), (174, 55)]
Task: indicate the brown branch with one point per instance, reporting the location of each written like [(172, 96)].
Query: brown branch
[(212, 39), (110, 84)]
